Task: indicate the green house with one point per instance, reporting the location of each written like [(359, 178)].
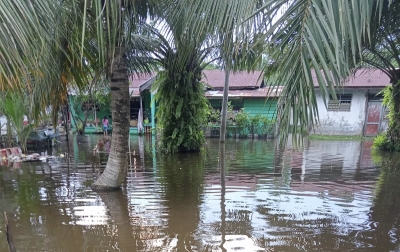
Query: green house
[(95, 114), (142, 104), (247, 91)]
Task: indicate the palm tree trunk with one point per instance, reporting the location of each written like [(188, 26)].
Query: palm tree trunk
[(113, 174), (224, 106), (9, 133), (393, 134), (118, 207)]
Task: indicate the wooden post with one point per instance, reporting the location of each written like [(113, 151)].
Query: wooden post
[(222, 130), (10, 243), (153, 112)]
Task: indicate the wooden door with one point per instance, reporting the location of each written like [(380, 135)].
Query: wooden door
[(373, 120)]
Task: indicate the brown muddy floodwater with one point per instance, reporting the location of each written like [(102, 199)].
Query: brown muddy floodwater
[(327, 196)]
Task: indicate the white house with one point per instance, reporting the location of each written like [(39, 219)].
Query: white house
[(358, 109), (3, 122)]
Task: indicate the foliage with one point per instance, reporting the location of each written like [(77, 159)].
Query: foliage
[(380, 142), (213, 115), (267, 125), (13, 105), (182, 110), (383, 141), (87, 101), (242, 120), (255, 123), (230, 113), (316, 41), (182, 105)]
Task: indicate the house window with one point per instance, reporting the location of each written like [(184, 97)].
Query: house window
[(237, 103), (343, 102)]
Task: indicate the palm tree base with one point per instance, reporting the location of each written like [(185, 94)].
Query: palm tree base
[(102, 188)]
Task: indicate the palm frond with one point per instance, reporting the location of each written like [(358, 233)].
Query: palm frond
[(314, 43)]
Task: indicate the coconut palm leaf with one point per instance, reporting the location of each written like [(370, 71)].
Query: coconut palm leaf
[(13, 105), (314, 42)]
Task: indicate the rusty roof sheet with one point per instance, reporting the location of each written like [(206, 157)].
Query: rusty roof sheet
[(240, 80), (260, 92), (364, 78), (136, 81)]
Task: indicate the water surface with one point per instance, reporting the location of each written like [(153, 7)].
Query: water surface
[(327, 196)]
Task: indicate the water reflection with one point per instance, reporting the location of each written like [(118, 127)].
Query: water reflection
[(238, 196)]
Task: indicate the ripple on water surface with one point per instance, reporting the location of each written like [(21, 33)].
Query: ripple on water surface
[(327, 196)]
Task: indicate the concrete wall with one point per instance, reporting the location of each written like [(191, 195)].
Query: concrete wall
[(343, 123)]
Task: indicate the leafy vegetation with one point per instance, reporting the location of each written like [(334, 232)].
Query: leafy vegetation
[(85, 104), (183, 112), (385, 141), (242, 121), (182, 106), (242, 124), (13, 106)]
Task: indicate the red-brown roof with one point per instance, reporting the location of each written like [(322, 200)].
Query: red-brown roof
[(364, 78), (136, 81), (240, 80)]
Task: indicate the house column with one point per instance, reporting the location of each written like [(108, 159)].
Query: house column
[(153, 113)]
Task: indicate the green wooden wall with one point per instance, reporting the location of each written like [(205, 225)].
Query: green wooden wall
[(262, 106), (147, 105), (99, 114)]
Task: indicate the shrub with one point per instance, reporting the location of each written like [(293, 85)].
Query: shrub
[(380, 142)]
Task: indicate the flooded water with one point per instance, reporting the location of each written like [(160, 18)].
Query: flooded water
[(327, 196)]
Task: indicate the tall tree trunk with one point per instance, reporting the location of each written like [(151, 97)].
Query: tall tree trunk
[(393, 134), (9, 133), (118, 208), (224, 106), (113, 174), (66, 115)]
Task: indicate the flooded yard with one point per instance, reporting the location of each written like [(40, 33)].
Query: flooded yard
[(326, 196)]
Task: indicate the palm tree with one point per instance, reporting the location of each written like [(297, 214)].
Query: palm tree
[(119, 19), (180, 94), (50, 44), (382, 51), (13, 107), (331, 38), (309, 34)]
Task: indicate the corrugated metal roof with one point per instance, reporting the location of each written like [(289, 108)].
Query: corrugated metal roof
[(260, 92), (137, 81), (240, 80), (364, 78)]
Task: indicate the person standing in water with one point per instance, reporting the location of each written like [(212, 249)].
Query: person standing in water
[(105, 126)]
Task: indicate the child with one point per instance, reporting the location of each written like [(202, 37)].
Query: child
[(105, 126)]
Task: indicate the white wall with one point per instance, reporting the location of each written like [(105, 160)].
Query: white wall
[(342, 156), (3, 122), (343, 123)]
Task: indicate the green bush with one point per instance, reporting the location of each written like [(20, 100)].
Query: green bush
[(242, 120), (380, 142), (267, 125), (255, 123)]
